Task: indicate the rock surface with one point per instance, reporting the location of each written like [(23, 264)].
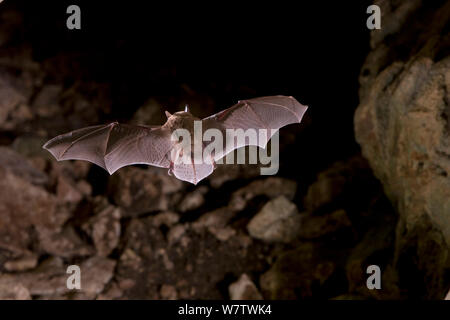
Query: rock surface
[(244, 289), (143, 190), (278, 221), (402, 125)]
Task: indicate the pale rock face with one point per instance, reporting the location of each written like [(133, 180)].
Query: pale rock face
[(403, 130), (244, 289), (403, 127), (278, 221)]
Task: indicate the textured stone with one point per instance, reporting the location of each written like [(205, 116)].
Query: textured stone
[(193, 200), (216, 223), (139, 190), (334, 182), (297, 273), (229, 172), (21, 167), (65, 243), (22, 264), (104, 227), (46, 103), (96, 273), (278, 221), (13, 291), (317, 226), (31, 146), (13, 107), (67, 191), (167, 218), (270, 187), (49, 280), (168, 292), (23, 207), (402, 125), (244, 289)]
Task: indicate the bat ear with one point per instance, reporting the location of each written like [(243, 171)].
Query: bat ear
[(186, 108), (168, 114)]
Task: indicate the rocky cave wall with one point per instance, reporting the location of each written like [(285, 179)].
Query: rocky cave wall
[(402, 125)]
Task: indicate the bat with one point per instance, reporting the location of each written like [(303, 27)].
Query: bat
[(115, 145)]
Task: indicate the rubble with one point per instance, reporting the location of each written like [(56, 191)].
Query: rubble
[(244, 289), (278, 221)]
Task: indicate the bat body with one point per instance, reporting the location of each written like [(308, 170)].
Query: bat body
[(115, 145)]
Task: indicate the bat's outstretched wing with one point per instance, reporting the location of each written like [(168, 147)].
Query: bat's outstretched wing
[(268, 113), (114, 146)]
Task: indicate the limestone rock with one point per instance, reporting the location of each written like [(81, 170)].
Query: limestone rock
[(24, 206), (297, 273), (65, 243), (216, 223), (22, 264), (402, 125), (167, 218), (96, 273), (21, 167), (230, 172), (13, 102), (317, 226), (270, 187), (193, 200), (278, 221), (46, 103), (333, 183), (13, 291), (104, 227), (168, 292), (244, 289), (139, 190), (49, 280)]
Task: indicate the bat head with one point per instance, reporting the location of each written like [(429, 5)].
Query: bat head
[(180, 119)]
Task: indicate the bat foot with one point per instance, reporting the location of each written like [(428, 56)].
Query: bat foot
[(170, 171)]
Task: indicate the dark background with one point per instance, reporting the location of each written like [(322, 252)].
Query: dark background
[(224, 50)]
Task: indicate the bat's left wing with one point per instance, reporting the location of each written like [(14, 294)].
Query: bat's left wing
[(263, 115), (114, 146)]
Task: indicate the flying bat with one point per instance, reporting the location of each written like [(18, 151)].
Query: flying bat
[(115, 145)]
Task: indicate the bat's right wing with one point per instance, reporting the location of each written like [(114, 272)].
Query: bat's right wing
[(264, 116), (114, 146)]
